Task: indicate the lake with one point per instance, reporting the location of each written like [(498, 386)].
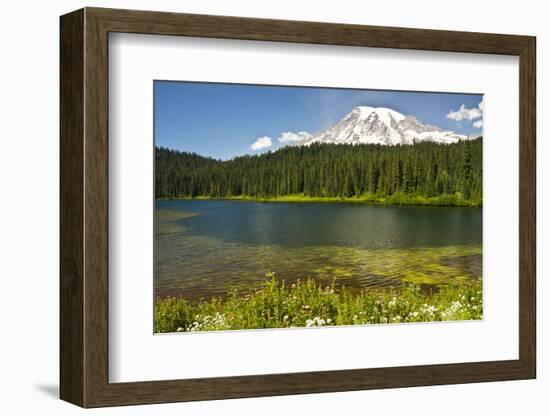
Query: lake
[(204, 248)]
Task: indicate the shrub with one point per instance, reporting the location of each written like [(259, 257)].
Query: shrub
[(309, 304)]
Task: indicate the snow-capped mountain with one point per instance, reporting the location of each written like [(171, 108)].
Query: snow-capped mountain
[(379, 126)]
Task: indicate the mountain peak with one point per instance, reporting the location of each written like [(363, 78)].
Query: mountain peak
[(381, 112), (381, 125)]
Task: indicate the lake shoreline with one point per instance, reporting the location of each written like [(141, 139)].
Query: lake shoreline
[(445, 200), (308, 304)]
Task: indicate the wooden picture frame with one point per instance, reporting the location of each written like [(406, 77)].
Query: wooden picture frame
[(84, 207)]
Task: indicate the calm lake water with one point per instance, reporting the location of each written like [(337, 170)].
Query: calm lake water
[(205, 248)]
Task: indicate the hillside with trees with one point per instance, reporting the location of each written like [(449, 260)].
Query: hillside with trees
[(421, 173)]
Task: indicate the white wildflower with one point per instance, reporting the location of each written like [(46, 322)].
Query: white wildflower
[(317, 321)]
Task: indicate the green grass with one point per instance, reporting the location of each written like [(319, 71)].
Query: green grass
[(399, 198), (308, 304)]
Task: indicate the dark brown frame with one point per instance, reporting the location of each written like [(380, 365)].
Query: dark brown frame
[(84, 208)]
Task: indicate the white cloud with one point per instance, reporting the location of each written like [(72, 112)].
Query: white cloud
[(291, 138), (465, 113), (261, 143), (470, 114)]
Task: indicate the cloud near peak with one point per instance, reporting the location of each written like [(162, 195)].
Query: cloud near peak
[(261, 143), (469, 114), (291, 138), (465, 113)]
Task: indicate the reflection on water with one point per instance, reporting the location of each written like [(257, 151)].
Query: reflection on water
[(205, 248)]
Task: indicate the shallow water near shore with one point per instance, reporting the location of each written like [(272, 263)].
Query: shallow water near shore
[(207, 248)]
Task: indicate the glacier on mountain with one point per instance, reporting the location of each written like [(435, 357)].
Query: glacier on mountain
[(374, 126)]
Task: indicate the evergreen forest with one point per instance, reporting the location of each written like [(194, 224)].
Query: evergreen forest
[(420, 173)]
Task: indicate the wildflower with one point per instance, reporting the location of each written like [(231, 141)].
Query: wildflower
[(195, 326), (315, 322)]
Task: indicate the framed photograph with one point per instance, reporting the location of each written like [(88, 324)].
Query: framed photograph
[(257, 207)]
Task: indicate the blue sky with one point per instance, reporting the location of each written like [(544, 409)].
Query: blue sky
[(225, 120)]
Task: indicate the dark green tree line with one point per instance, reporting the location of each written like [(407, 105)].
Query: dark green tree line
[(327, 170)]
